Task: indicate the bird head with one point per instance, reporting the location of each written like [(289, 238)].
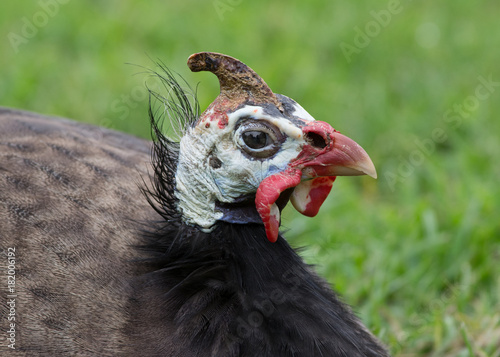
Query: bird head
[(251, 151)]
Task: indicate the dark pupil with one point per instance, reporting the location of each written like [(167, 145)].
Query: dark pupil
[(255, 139)]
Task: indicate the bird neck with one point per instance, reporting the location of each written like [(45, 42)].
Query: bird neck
[(194, 187), (233, 290)]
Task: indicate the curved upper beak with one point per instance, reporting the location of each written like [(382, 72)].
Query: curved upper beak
[(345, 158)]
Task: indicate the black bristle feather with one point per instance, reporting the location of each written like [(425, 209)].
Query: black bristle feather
[(184, 112)]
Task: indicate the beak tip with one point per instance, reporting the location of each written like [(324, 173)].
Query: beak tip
[(370, 170), (363, 164)]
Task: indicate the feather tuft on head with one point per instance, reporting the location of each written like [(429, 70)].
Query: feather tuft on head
[(179, 107)]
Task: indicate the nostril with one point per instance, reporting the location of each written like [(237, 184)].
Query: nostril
[(315, 140)]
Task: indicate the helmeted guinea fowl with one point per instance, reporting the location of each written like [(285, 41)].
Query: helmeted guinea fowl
[(191, 263)]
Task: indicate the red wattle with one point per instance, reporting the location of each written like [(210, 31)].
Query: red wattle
[(320, 188), (268, 192)]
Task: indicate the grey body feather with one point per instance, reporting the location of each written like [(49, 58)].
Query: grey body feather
[(69, 206)]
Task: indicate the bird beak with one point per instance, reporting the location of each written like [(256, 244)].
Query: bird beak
[(345, 158), (312, 174)]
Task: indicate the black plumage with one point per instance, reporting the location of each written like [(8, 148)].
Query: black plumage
[(229, 294), (108, 267)]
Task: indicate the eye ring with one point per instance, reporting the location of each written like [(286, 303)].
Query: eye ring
[(258, 139)]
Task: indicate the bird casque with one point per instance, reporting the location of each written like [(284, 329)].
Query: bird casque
[(192, 263)]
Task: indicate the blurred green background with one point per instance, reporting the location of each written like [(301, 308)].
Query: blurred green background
[(416, 83)]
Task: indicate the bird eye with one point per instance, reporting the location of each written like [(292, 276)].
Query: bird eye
[(259, 139), (256, 139)]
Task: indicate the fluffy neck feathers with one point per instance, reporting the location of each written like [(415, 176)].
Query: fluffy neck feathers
[(234, 292)]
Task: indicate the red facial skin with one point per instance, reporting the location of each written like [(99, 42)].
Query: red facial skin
[(220, 107), (319, 161), (270, 188), (218, 117), (315, 161)]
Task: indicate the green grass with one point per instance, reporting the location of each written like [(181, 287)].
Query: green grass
[(417, 251)]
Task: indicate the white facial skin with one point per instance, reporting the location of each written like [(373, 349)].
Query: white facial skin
[(199, 184)]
